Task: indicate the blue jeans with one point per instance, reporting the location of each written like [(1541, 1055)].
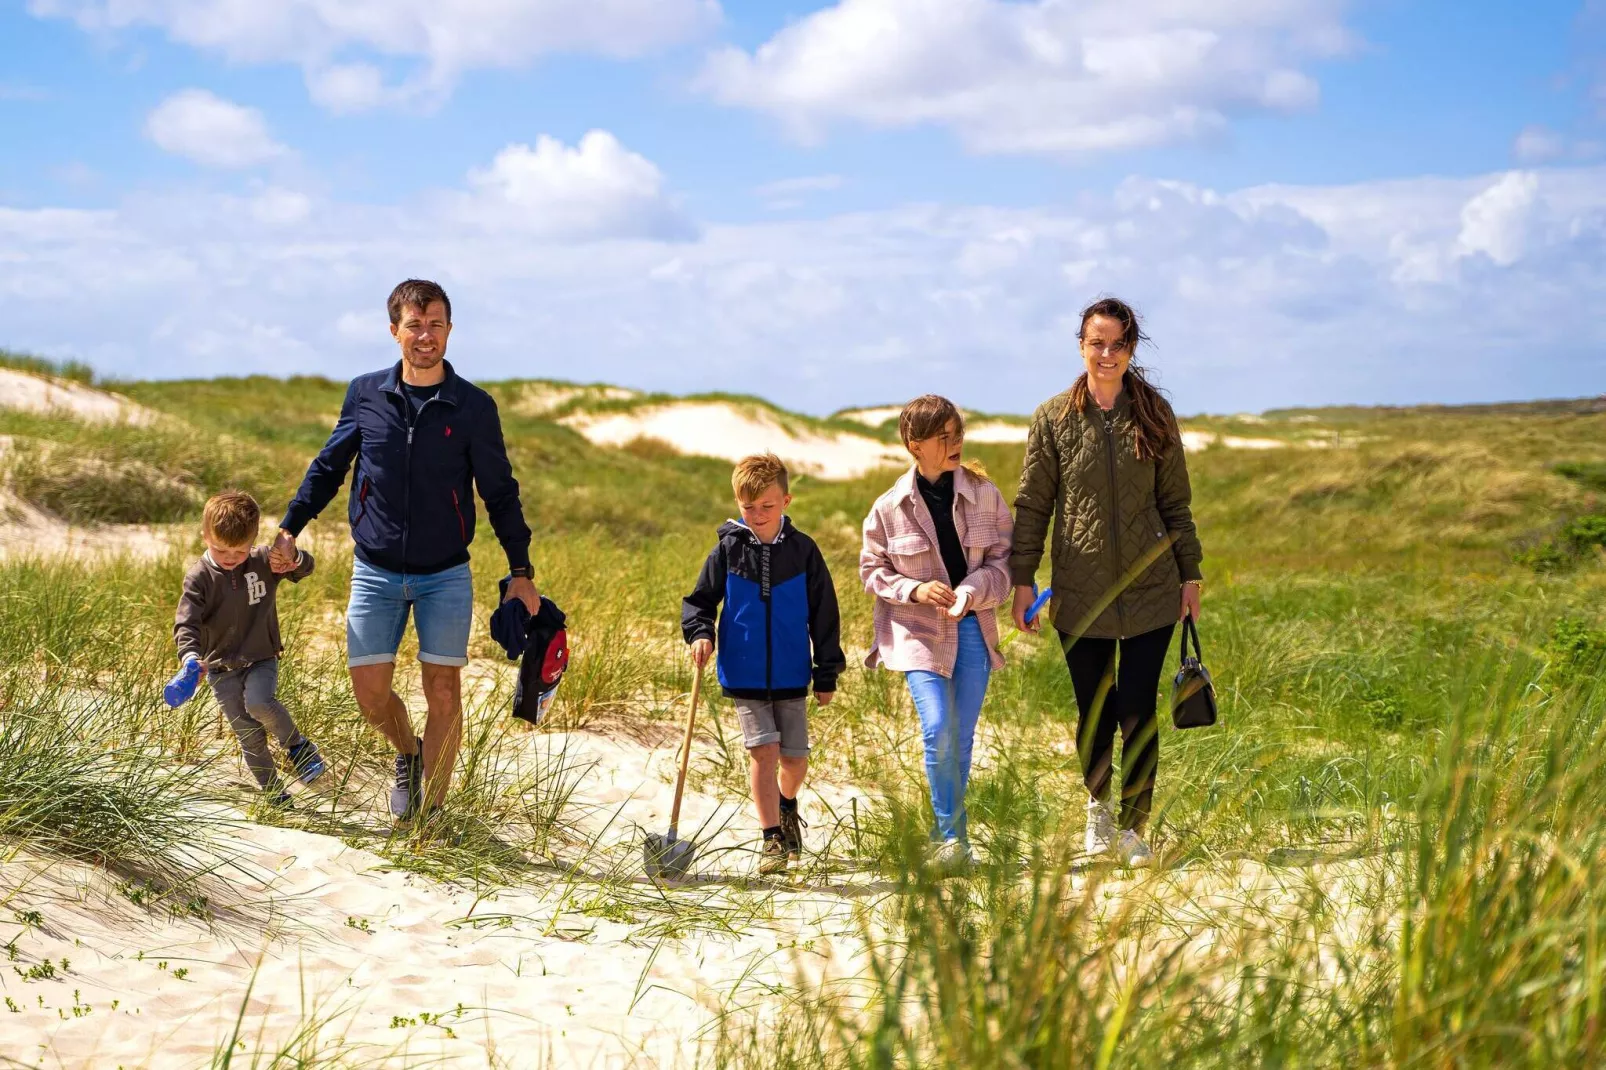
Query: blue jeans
[(442, 604), (949, 709)]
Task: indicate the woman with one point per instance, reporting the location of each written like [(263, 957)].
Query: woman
[(1105, 460), (936, 557)]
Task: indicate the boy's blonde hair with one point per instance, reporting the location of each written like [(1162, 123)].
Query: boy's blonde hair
[(231, 518), (754, 475)]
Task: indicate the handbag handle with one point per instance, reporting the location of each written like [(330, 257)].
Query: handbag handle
[(1189, 628)]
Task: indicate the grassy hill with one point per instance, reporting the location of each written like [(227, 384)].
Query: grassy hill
[(1389, 853)]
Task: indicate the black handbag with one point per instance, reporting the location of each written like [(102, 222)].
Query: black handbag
[(1193, 699)]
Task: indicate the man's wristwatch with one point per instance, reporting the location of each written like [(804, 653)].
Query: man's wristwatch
[(523, 572)]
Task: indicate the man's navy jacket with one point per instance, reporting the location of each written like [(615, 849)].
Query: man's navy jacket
[(412, 500), (780, 629)]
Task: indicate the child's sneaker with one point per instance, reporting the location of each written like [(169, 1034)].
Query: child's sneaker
[(277, 797), (774, 857), (792, 826), (409, 787), (306, 761)]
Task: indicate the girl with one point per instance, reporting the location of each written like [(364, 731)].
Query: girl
[(1105, 459), (935, 555)]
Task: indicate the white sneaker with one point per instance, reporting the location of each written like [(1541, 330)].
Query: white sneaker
[(1100, 827), (952, 858), (1132, 851)]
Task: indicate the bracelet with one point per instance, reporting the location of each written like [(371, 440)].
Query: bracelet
[(1197, 583)]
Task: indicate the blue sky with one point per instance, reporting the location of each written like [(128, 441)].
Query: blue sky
[(1313, 201)]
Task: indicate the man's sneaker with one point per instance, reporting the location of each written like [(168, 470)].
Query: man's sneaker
[(306, 761), (792, 826), (1100, 827), (952, 858), (773, 859), (1132, 851), (409, 787)]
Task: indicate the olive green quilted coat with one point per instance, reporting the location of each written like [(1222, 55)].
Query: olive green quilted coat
[(1124, 538)]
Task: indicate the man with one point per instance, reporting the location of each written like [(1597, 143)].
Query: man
[(421, 438)]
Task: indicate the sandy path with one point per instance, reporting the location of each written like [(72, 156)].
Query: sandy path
[(572, 967)]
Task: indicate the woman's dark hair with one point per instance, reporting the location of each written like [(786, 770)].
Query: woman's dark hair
[(1157, 429)]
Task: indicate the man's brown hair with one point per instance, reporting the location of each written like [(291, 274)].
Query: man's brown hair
[(754, 475), (232, 518), (420, 293), (926, 417)]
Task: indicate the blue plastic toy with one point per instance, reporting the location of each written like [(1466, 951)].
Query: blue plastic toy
[(1039, 602), (181, 688)]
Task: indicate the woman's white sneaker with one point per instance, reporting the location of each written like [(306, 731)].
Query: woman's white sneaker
[(1100, 827), (1132, 851)]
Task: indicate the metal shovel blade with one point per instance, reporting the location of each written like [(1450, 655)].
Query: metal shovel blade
[(668, 858)]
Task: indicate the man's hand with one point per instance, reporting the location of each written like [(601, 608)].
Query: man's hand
[(934, 593), (282, 556), (701, 651), (524, 590), (1024, 597), (824, 698)]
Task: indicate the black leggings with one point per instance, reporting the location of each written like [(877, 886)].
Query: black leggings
[(1124, 695)]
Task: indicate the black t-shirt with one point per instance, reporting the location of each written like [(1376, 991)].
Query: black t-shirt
[(939, 498), (417, 395)]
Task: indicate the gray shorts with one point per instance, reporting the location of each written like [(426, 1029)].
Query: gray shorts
[(784, 721)]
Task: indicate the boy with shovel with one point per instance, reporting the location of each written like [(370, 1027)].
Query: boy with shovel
[(778, 634)]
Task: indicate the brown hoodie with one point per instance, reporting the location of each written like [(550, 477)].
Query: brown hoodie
[(229, 618)]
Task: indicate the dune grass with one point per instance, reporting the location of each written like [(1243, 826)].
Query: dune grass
[(1387, 854)]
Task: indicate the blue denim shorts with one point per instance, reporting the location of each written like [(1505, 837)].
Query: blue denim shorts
[(442, 604)]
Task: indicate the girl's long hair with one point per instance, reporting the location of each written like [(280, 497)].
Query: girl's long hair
[(926, 417), (1156, 429)]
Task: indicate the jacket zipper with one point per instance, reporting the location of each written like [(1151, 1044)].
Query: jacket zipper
[(769, 624), (362, 503), (1115, 516), (462, 529)]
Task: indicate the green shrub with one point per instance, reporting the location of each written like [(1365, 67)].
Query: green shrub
[(1576, 651), (1591, 474)]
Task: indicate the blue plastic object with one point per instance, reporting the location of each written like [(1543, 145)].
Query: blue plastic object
[(181, 688), (1039, 602)]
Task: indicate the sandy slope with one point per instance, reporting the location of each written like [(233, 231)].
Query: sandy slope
[(38, 393), (565, 966), (718, 429)]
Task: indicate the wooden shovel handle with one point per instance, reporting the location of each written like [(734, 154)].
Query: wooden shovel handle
[(685, 753)]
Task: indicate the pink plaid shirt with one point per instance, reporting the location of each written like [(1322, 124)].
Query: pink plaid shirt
[(900, 553)]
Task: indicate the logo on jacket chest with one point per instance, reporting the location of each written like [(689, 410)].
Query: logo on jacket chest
[(255, 589)]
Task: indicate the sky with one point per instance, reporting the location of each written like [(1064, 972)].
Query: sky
[(1310, 202)]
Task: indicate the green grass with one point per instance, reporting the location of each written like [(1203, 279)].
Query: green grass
[(1388, 853)]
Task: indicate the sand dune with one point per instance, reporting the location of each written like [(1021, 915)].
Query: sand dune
[(38, 393), (720, 429)]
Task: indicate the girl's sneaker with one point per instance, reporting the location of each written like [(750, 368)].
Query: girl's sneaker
[(306, 761), (1132, 851)]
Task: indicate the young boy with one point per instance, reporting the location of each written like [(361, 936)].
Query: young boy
[(228, 619), (778, 633)]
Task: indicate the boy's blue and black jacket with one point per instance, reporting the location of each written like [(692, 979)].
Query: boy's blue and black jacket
[(412, 485), (780, 630)]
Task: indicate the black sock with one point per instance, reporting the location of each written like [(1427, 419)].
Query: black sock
[(788, 804), (773, 832)]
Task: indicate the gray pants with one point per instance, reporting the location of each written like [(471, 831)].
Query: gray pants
[(248, 699)]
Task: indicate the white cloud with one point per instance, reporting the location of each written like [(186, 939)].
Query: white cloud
[(1069, 77), (598, 189), (212, 131), (793, 192), (1258, 297), (1495, 222), (1540, 144), (329, 39)]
